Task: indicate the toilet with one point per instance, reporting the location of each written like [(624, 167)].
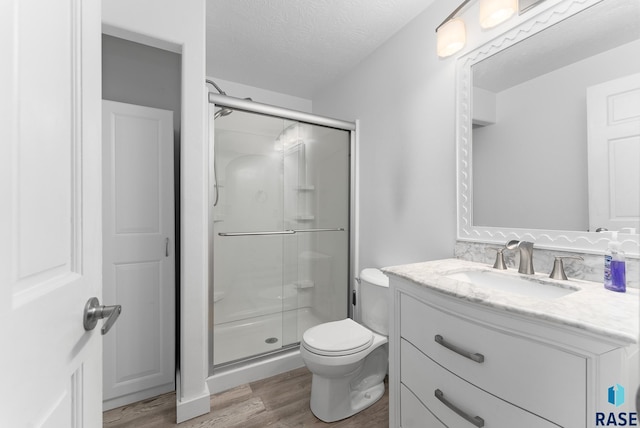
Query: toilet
[(349, 360)]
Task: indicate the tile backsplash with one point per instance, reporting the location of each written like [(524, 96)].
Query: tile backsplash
[(589, 269)]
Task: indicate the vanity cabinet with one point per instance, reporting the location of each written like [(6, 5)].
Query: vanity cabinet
[(457, 363), (455, 401), (531, 374)]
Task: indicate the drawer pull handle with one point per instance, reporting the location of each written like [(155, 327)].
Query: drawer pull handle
[(478, 358), (475, 420)]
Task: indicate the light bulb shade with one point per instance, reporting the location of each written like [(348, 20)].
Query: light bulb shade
[(451, 37), (494, 12)]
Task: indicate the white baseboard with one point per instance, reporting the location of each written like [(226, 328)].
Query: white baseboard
[(193, 407)]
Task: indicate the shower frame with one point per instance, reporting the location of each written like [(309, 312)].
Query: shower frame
[(246, 105)]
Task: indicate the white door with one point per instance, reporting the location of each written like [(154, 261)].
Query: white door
[(138, 252), (50, 212), (613, 117)]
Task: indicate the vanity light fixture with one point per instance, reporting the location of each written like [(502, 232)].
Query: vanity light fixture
[(494, 12), (451, 35)]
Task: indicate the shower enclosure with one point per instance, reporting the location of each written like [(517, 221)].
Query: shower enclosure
[(280, 201)]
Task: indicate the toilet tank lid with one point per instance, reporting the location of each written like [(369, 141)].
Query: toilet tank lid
[(374, 276)]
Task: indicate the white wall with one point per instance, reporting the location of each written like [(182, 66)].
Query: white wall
[(403, 95), (180, 26), (138, 74)]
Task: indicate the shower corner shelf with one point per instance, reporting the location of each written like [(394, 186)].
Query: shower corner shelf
[(305, 217), (305, 188), (303, 283)]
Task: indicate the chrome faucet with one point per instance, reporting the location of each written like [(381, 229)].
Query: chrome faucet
[(526, 255)]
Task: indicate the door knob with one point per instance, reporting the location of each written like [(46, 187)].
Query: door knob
[(93, 312)]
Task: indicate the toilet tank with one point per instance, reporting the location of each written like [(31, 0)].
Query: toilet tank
[(374, 300)]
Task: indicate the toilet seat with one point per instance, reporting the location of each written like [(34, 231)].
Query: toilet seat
[(337, 338)]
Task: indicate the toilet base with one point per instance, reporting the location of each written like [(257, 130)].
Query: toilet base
[(336, 398), (358, 401)]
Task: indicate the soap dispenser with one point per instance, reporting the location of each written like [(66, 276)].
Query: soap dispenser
[(614, 266)]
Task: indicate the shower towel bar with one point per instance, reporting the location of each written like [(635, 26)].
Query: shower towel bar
[(280, 232)]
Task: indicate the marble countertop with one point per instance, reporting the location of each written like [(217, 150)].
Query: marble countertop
[(592, 308)]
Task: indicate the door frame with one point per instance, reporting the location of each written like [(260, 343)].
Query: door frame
[(180, 27), (185, 36)]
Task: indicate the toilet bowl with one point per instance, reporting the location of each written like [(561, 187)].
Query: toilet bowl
[(348, 360)]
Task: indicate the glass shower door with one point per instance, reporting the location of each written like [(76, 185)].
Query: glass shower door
[(316, 206), (276, 271)]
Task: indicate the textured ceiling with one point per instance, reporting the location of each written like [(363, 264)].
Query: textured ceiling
[(297, 47)]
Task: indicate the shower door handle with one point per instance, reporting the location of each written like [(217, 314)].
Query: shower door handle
[(280, 232), (277, 232)]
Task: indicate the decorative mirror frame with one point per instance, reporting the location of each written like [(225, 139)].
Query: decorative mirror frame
[(574, 241)]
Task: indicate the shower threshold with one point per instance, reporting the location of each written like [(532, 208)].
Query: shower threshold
[(229, 375)]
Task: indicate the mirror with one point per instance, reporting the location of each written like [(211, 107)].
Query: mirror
[(536, 154)]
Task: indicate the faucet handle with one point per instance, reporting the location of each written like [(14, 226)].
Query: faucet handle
[(558, 267), (499, 263)]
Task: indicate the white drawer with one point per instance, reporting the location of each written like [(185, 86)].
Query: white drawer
[(424, 377), (414, 414), (532, 375)]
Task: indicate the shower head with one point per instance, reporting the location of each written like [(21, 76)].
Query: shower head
[(225, 111)]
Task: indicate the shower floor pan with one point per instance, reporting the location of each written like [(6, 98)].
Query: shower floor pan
[(238, 340)]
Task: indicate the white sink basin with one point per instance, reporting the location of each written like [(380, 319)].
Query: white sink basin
[(524, 286)]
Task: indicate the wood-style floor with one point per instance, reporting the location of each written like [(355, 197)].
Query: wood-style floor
[(281, 401)]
